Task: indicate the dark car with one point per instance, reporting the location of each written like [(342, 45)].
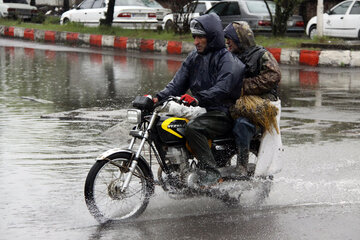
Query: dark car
[(255, 13)]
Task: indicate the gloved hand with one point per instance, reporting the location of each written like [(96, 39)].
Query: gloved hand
[(189, 100), (155, 100)]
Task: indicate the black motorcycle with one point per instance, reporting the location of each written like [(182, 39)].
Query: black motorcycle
[(121, 182)]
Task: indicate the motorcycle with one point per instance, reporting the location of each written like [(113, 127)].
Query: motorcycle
[(121, 182)]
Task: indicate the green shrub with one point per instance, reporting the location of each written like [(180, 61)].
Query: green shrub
[(39, 18)]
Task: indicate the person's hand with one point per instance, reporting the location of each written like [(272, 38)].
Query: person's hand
[(155, 100), (189, 100)]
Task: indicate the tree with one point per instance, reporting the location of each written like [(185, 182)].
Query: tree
[(283, 10), (66, 5), (183, 14), (109, 14)]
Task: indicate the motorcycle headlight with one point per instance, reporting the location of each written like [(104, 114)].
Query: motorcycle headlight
[(134, 116)]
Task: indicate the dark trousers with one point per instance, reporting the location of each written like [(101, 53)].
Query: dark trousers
[(207, 126), (243, 132)]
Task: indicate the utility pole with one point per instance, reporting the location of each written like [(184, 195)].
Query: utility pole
[(320, 18)]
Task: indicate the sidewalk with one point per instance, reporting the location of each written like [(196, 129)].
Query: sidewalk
[(335, 58)]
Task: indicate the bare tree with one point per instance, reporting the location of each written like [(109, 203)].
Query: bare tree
[(283, 10), (182, 10)]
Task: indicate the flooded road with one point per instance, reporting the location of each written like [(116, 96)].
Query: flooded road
[(44, 162)]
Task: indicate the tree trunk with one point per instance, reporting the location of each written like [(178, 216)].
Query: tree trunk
[(109, 15), (270, 13), (320, 18), (66, 5), (280, 25), (284, 9)]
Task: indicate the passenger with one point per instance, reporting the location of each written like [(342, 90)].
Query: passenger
[(214, 77), (253, 113)]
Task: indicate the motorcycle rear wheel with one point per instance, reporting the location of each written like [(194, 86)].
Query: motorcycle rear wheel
[(103, 195)]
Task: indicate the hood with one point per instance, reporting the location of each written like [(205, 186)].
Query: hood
[(214, 31), (241, 33)]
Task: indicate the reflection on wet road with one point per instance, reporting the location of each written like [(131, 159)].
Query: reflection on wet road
[(44, 162)]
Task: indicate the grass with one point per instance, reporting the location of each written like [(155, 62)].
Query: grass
[(281, 42), (52, 23)]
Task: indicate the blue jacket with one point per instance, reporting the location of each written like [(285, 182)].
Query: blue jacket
[(214, 77)]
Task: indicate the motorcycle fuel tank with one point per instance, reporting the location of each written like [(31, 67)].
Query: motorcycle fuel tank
[(172, 129)]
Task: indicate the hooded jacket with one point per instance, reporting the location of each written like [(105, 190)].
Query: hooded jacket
[(262, 74), (214, 77)]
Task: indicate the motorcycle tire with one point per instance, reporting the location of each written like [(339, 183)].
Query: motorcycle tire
[(103, 195)]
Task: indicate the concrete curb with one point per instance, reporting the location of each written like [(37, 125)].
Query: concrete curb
[(336, 58)]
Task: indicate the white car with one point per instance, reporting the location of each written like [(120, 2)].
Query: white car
[(128, 14), (160, 10), (343, 20), (17, 9), (202, 7)]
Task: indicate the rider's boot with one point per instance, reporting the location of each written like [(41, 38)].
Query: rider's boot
[(251, 169), (242, 161), (209, 177)]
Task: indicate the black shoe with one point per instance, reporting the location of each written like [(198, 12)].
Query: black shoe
[(251, 169), (209, 178)]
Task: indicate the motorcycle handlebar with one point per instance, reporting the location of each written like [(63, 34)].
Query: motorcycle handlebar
[(168, 99)]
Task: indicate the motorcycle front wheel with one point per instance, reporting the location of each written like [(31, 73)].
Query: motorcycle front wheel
[(103, 190)]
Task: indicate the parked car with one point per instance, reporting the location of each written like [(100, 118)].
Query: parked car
[(17, 9), (343, 20), (202, 6), (255, 13), (128, 14), (160, 10)]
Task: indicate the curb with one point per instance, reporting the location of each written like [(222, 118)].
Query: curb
[(335, 58)]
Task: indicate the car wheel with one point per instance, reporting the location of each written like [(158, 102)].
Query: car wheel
[(359, 35), (312, 32), (66, 20), (169, 25)]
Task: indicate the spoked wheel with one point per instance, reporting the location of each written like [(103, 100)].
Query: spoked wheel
[(104, 196)]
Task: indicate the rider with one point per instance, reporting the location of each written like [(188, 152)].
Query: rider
[(214, 76), (262, 76)]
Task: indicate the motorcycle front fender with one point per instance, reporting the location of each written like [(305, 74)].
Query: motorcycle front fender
[(111, 154), (115, 153)]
